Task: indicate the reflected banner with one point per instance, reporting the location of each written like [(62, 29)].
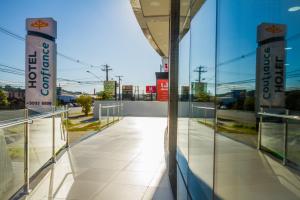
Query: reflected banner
[(165, 64), (40, 63), (270, 65), (162, 90), (150, 89)]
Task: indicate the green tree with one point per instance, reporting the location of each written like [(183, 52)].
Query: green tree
[(85, 102), (3, 99), (202, 97), (104, 95)]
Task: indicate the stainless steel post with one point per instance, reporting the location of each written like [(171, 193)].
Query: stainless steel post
[(119, 112), (285, 139), (53, 135), (100, 114), (205, 115), (260, 129), (67, 122), (107, 112), (113, 114), (26, 153), (122, 110)]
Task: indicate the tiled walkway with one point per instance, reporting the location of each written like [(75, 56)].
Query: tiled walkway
[(125, 161)]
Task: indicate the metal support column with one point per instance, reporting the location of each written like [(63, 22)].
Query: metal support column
[(26, 153), (173, 91)]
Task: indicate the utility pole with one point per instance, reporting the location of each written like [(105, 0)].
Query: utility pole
[(200, 70), (119, 78), (106, 68)]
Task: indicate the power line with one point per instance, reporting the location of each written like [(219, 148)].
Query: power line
[(16, 71), (18, 37), (251, 53), (7, 32)]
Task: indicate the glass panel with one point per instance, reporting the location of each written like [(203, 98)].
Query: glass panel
[(60, 132), (11, 160), (272, 135), (183, 106), (81, 125), (293, 148), (40, 143), (202, 83), (257, 66), (183, 94)]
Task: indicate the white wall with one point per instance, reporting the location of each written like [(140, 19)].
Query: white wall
[(149, 108), (136, 108)]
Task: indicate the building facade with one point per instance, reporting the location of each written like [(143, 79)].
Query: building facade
[(242, 137)]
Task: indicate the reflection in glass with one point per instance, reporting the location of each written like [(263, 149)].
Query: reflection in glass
[(257, 68), (202, 112), (11, 159)]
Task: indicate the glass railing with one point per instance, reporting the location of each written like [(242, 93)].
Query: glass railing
[(280, 135), (81, 125), (31, 139), (11, 159), (28, 140)]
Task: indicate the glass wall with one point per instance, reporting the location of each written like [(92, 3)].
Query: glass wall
[(183, 94), (240, 139), (256, 71), (202, 83)]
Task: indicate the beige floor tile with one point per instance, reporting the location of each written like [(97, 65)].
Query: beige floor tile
[(121, 192)]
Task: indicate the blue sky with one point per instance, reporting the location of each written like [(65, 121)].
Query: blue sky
[(237, 25), (94, 31)]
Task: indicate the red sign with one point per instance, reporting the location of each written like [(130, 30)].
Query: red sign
[(150, 89), (166, 67), (162, 90)]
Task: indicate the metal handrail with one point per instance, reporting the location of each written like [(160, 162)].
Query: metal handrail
[(293, 117), (48, 114), (112, 106), (119, 107), (203, 107), (14, 123), (5, 124), (28, 120)]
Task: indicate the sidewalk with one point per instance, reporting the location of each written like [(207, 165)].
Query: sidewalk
[(124, 161)]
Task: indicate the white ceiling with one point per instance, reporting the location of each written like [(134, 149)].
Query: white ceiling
[(153, 17)]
